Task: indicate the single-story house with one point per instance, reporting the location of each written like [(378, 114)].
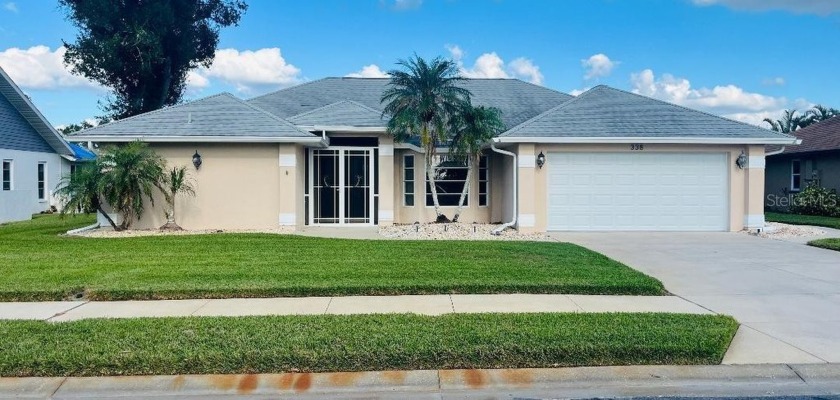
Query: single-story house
[(34, 156), (817, 160), (318, 154)]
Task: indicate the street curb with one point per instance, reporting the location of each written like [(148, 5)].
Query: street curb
[(418, 381)]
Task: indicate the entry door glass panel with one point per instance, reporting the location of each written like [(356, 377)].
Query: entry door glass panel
[(325, 187), (357, 186)]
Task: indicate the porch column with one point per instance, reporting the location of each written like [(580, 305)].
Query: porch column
[(291, 193), (754, 188), (386, 181), (526, 199)]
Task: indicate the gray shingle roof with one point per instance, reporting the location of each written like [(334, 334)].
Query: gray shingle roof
[(22, 126), (342, 113), (220, 115), (607, 112), (517, 100)]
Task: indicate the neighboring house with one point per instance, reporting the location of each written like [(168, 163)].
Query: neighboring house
[(318, 154), (34, 156), (816, 160)]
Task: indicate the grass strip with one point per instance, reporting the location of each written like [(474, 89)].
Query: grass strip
[(38, 264), (831, 244), (227, 345), (798, 219)]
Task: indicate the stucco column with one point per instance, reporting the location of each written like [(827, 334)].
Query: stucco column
[(289, 185), (386, 181), (526, 219), (754, 188)]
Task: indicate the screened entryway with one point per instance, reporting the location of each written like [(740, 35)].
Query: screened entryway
[(342, 186)]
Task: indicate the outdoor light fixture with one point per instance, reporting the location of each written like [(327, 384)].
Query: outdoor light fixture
[(541, 160), (197, 159), (741, 162)]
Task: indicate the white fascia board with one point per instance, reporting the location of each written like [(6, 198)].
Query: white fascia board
[(655, 140), (196, 139), (340, 128)]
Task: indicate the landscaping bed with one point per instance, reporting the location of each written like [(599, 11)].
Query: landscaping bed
[(797, 219), (831, 244), (38, 263), (357, 343)]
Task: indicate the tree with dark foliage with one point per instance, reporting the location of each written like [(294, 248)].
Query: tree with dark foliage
[(143, 49)]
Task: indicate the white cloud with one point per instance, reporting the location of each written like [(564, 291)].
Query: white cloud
[(777, 81), (248, 70), (819, 7), (39, 67), (490, 65), (368, 71), (11, 6), (598, 66), (727, 100), (576, 92)]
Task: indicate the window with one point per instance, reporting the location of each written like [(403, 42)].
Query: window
[(483, 182), (450, 177), (42, 181), (408, 180), (7, 174), (795, 175)]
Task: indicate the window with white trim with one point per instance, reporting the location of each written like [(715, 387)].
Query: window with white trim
[(7, 174), (450, 178), (42, 181), (483, 181), (795, 175), (408, 180)]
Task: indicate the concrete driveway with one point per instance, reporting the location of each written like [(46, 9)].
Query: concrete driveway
[(786, 295)]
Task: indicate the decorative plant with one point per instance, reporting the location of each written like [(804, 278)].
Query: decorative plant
[(176, 183)]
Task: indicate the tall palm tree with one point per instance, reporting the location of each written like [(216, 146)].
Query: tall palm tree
[(421, 99), (176, 183), (789, 123), (473, 128)]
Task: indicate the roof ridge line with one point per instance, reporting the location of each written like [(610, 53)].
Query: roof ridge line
[(305, 113), (546, 112), (699, 111), (159, 110), (287, 88), (272, 116)]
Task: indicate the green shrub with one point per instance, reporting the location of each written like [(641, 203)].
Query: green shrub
[(816, 200)]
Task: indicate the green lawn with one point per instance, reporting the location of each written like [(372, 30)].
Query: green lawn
[(797, 219), (357, 343), (38, 264), (831, 244)]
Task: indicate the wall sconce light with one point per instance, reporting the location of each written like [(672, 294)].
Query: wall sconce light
[(741, 162), (197, 159), (541, 160)]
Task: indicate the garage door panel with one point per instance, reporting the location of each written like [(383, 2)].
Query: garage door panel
[(638, 191)]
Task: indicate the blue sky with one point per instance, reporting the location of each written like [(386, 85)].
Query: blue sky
[(745, 59)]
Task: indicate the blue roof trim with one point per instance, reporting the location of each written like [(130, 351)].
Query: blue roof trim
[(81, 153)]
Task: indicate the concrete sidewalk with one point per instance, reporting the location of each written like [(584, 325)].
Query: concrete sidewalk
[(580, 382), (428, 305)]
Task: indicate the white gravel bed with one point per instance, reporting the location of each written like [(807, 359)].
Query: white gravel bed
[(776, 230), (457, 231), (111, 233)]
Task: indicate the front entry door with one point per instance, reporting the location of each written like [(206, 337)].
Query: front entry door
[(341, 182)]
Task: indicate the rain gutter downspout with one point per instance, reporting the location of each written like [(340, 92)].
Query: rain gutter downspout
[(498, 231), (773, 153)]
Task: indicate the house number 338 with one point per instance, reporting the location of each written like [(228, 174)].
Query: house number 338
[(637, 146)]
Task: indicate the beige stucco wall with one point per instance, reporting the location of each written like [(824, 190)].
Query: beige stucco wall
[(746, 186), (239, 186)]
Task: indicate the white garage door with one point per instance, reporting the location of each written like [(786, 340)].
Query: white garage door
[(638, 191)]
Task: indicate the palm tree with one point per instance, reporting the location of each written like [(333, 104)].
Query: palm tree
[(473, 127), (421, 99), (80, 191), (818, 113), (177, 182), (789, 123)]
